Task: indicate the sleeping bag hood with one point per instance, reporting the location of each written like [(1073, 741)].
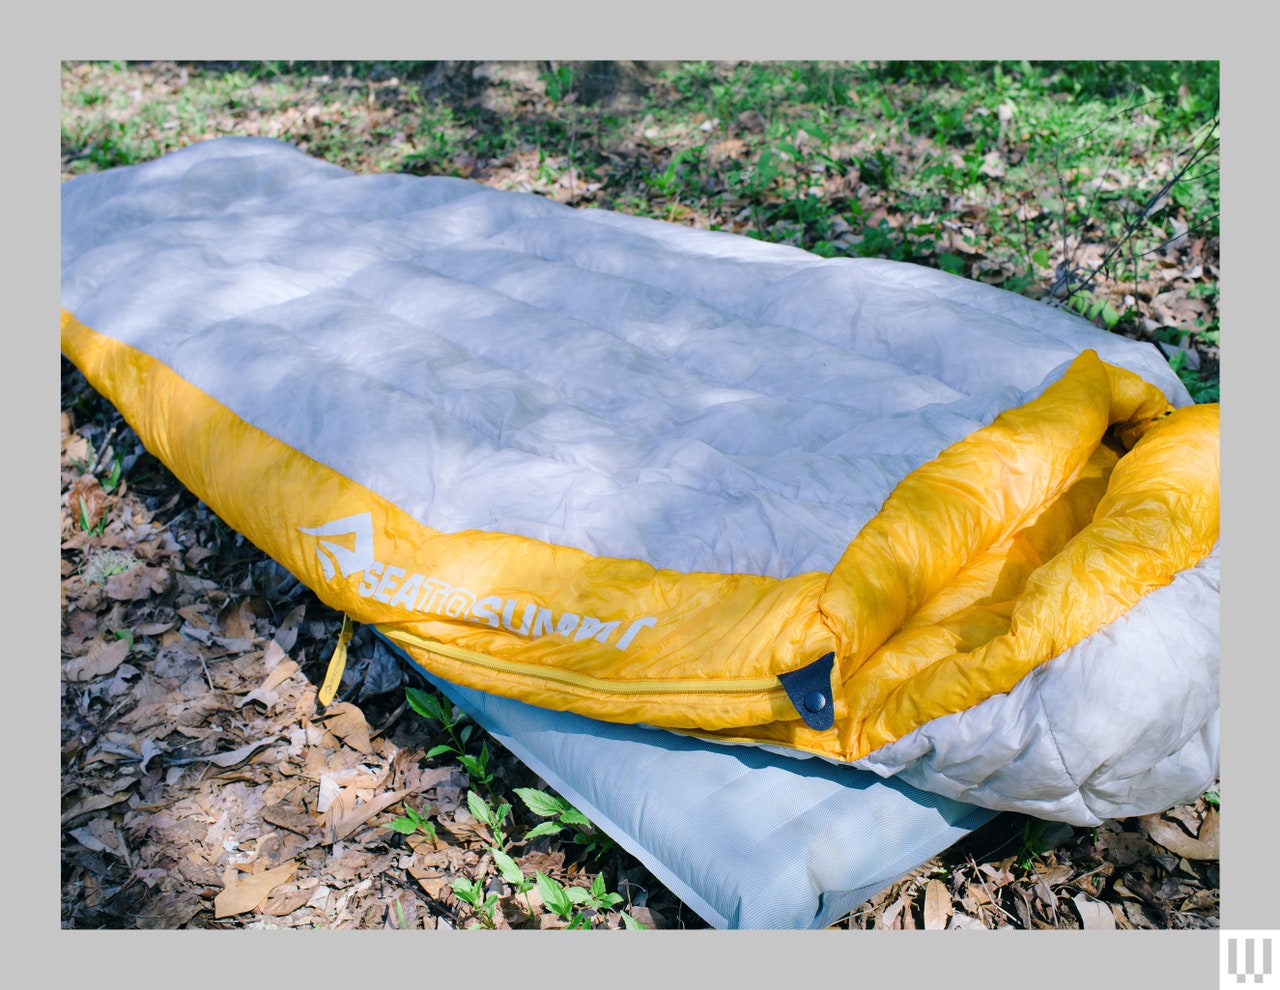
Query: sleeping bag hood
[(842, 509)]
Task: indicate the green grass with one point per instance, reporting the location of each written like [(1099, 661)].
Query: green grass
[(1057, 180)]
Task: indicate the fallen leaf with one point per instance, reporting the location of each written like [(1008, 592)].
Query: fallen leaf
[(268, 699), (289, 897), (287, 632), (273, 654), (1057, 874), (1094, 915), (237, 621), (1123, 848), (230, 759), (993, 165), (245, 895), (101, 658), (354, 777), (197, 554), (282, 672), (347, 722), (95, 802), (138, 583), (998, 875), (433, 882), (86, 837), (1202, 900), (892, 918), (1172, 837), (937, 905), (87, 497), (339, 826)]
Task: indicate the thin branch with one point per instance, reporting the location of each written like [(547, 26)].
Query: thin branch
[(1135, 224)]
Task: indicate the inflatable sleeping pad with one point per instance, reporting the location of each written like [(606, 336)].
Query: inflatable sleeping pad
[(881, 549)]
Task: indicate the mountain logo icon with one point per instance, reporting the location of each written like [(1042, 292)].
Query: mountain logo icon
[(348, 547)]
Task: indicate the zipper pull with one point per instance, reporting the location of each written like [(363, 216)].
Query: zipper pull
[(809, 689), (337, 664)]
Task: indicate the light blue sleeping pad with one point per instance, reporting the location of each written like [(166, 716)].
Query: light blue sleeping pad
[(746, 838)]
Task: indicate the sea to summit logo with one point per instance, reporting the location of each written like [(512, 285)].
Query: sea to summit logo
[(349, 560), (345, 546)]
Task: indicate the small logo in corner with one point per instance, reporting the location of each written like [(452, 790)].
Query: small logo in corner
[(1247, 957), (349, 559)]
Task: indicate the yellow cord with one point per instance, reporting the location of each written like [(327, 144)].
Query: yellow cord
[(337, 663)]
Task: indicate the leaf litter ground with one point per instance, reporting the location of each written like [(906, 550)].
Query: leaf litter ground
[(201, 785)]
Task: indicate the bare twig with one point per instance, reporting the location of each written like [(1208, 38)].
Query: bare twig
[(1074, 286)]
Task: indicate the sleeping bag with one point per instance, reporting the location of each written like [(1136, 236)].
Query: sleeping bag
[(855, 515)]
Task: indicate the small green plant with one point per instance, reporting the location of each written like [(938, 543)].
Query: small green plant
[(1095, 309), (1200, 390), (559, 82), (441, 710), (477, 767), (576, 904), (112, 479), (490, 817), (1033, 842), (514, 877), (493, 818), (563, 815), (1213, 798), (670, 182), (484, 905), (95, 529), (414, 821)]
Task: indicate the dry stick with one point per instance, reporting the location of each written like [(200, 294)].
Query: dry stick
[(991, 897), (102, 451), (1067, 275), (1177, 237), (1065, 272), (1198, 155), (207, 678)]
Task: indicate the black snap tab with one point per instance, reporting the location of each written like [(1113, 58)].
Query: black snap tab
[(809, 690)]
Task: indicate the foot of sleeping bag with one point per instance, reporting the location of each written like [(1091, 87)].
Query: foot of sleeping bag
[(746, 838)]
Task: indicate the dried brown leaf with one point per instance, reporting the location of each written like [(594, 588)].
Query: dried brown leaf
[(87, 498), (282, 672), (891, 918), (338, 825), (1094, 915), (246, 894), (937, 905), (1123, 848), (101, 658), (347, 722), (1171, 836), (95, 802), (1204, 901), (998, 876), (288, 897), (138, 583)]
